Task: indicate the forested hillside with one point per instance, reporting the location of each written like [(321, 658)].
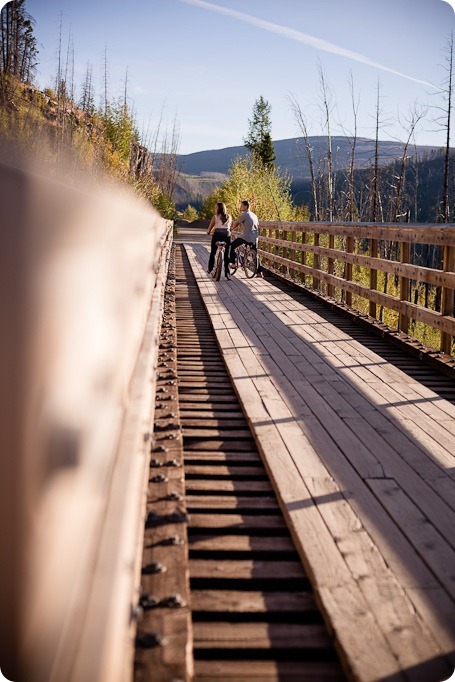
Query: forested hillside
[(421, 187), (66, 130), (421, 197)]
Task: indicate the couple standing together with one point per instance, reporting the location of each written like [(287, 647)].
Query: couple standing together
[(220, 229)]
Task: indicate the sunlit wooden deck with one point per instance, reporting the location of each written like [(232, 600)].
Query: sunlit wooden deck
[(362, 458)]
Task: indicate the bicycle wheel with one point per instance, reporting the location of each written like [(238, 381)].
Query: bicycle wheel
[(250, 263), (218, 265)]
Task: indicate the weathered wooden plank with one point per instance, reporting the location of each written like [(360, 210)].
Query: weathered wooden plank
[(251, 456), (259, 636), (240, 543), (215, 485), (237, 522), (188, 404), (267, 671), (206, 470), (207, 398), (229, 569), (193, 382), (225, 434), (235, 601), (214, 421), (190, 363), (208, 393), (408, 634), (240, 502), (218, 445), (437, 553)]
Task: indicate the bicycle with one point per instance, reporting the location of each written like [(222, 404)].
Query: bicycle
[(218, 263), (247, 258)]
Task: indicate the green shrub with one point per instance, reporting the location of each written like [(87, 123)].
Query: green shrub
[(267, 190), (190, 213)]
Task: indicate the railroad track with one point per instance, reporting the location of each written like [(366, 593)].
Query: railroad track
[(254, 615)]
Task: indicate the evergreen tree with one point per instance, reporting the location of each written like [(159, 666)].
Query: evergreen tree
[(18, 47), (119, 128), (259, 139)]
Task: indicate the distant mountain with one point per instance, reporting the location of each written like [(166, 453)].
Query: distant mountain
[(209, 168), (291, 155)]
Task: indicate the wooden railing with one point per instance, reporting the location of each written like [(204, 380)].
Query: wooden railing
[(297, 251), (82, 278)]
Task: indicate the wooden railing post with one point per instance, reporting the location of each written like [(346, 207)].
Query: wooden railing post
[(405, 252), (316, 262), (447, 299), (286, 251), (271, 248), (349, 249), (330, 287), (293, 253), (373, 276), (276, 250), (304, 255)]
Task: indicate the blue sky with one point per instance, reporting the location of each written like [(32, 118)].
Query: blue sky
[(206, 63)]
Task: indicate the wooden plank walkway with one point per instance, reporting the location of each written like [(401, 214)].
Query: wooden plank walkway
[(362, 459)]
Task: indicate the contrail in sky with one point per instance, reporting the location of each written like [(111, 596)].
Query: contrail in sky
[(300, 37)]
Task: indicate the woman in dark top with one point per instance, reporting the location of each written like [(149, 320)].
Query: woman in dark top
[(220, 229)]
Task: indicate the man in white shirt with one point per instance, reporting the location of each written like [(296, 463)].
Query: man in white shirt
[(250, 223)]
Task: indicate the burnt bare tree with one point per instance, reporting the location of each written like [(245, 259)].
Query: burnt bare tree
[(105, 78), (398, 210), (375, 177), (302, 125), (443, 121), (353, 143), (168, 166), (326, 105), (448, 94), (349, 208)]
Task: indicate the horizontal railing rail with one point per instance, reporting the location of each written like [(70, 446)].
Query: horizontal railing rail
[(296, 251)]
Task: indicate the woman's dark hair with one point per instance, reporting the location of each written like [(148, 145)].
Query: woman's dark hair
[(221, 210)]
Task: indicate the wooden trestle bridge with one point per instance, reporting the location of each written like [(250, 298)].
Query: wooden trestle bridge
[(280, 499)]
